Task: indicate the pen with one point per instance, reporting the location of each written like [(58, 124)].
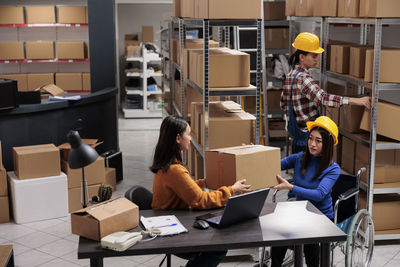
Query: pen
[(166, 225)]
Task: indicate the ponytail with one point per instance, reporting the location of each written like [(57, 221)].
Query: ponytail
[(295, 57)]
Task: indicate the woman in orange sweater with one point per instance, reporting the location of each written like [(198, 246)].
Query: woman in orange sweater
[(173, 188)]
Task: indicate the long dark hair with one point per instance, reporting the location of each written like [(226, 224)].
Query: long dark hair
[(326, 154), (167, 149), (295, 57)]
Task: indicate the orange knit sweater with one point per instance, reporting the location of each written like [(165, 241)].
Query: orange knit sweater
[(175, 189)]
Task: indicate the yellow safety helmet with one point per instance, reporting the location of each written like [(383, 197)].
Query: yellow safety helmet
[(326, 123), (308, 42)]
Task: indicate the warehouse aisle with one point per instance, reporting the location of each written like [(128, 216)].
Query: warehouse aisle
[(50, 243)]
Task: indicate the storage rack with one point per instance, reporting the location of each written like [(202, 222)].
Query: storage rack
[(142, 91)]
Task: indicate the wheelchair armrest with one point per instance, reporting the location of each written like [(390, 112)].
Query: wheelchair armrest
[(348, 194)]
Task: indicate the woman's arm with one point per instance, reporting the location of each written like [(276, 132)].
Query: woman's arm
[(312, 91)]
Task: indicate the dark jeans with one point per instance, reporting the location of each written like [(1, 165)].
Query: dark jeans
[(203, 259), (311, 253)]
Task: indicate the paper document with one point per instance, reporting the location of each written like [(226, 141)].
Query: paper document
[(169, 225)]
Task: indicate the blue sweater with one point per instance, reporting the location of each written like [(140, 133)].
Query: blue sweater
[(317, 191)]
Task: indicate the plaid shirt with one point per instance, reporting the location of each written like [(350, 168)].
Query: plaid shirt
[(307, 96)]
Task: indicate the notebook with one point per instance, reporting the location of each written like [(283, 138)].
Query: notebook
[(238, 208)]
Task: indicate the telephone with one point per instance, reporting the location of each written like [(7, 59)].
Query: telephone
[(120, 241)]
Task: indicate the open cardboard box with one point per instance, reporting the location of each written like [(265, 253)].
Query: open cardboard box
[(66, 147), (50, 90), (97, 221)]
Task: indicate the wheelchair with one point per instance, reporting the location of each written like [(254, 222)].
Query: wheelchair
[(358, 224)]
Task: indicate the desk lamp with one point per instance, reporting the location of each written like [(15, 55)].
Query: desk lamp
[(80, 156)]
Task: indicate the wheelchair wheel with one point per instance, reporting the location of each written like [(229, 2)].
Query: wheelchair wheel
[(360, 240)]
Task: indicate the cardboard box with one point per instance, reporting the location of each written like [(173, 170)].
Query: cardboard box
[(176, 8), (95, 173), (12, 50), (325, 8), (380, 9), (22, 80), (36, 80), (70, 50), (348, 155), (277, 129), (333, 113), (133, 51), (66, 147), (228, 9), (304, 8), (111, 178), (36, 161), (337, 89), (188, 8), (86, 15), (40, 14), (386, 209), (74, 196), (198, 166), (193, 44), (259, 165), (350, 117), (385, 122), (276, 37), (4, 210), (131, 39), (69, 81), (95, 222), (290, 8), (339, 61), (38, 199), (86, 82), (3, 181), (389, 73), (50, 90), (273, 99), (348, 8), (274, 10), (72, 14), (12, 15), (357, 61), (147, 34), (39, 50)]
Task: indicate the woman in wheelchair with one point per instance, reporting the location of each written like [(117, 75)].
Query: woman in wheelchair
[(173, 188), (314, 176)]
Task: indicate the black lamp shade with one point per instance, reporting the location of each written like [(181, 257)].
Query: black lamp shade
[(81, 154)]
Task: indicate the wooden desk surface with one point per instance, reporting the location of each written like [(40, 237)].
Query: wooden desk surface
[(283, 223)]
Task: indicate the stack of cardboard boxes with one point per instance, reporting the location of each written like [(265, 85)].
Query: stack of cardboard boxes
[(4, 203)]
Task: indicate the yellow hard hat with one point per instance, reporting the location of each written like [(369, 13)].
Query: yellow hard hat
[(326, 123), (308, 42)]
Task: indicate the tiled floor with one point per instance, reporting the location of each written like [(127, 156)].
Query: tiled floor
[(50, 243)]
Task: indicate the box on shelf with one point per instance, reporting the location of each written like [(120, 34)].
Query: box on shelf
[(304, 8), (380, 8), (337, 89), (325, 8), (3, 181), (274, 10), (22, 80), (188, 8), (193, 44), (131, 39), (36, 161), (12, 50), (36, 80), (133, 51), (74, 196), (176, 8), (357, 61), (69, 81), (95, 173), (385, 120), (4, 209), (339, 60), (333, 113), (348, 8), (105, 218), (273, 99), (147, 34), (386, 210), (111, 178), (70, 50), (39, 50), (290, 8), (350, 117), (258, 164), (276, 37), (348, 155), (198, 166), (388, 73), (66, 147), (72, 14), (38, 199), (40, 14), (86, 82), (12, 15), (225, 9), (86, 15), (277, 129)]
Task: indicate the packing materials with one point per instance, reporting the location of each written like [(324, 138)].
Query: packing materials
[(36, 80), (74, 196), (98, 221), (259, 165), (69, 81), (12, 15), (147, 34), (40, 14), (22, 80), (274, 10), (386, 210), (86, 82), (110, 178), (325, 8), (39, 50), (71, 14), (95, 173), (380, 8), (357, 61), (38, 199), (70, 50), (385, 125), (12, 50), (304, 8), (350, 117), (388, 72), (348, 8), (4, 209), (276, 37), (36, 161), (223, 9)]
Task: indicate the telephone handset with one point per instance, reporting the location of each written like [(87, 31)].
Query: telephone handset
[(120, 241)]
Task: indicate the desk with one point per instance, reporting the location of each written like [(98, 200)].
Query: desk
[(280, 224)]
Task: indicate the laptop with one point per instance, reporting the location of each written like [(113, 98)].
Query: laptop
[(238, 208)]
